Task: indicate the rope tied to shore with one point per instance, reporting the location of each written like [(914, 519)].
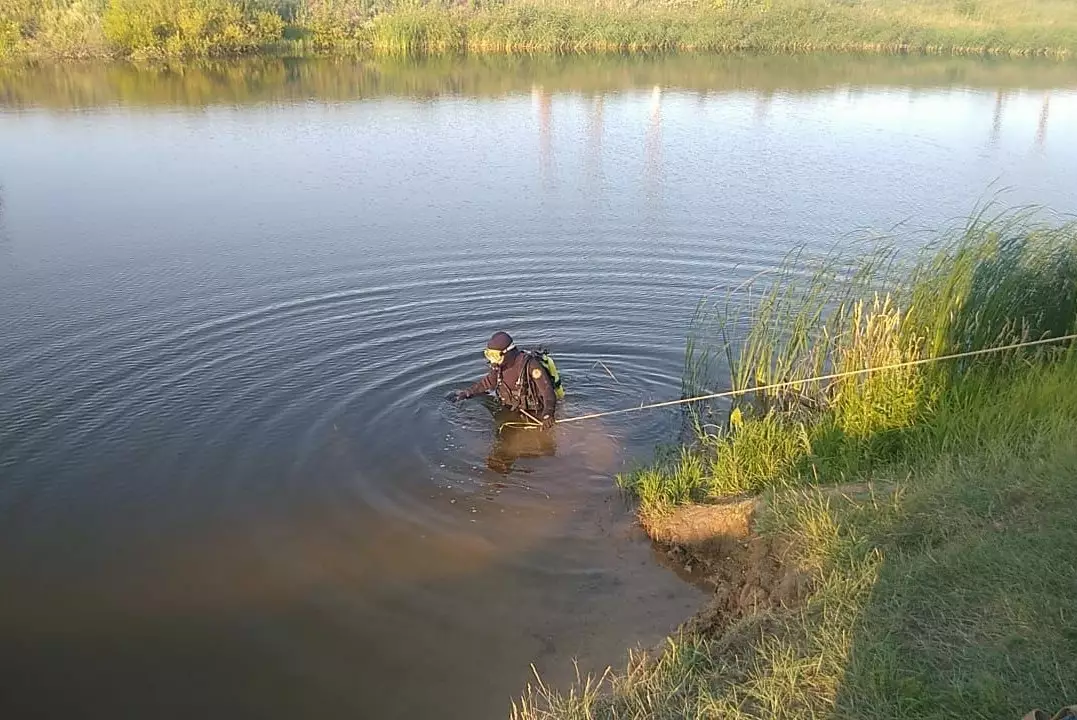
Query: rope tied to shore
[(804, 381)]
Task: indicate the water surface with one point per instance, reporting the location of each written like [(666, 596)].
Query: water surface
[(233, 297)]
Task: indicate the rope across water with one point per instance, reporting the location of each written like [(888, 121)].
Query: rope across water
[(804, 381)]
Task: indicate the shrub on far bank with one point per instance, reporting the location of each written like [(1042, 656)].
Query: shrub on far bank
[(190, 27), (56, 28)]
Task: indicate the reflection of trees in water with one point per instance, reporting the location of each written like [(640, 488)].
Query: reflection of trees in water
[(595, 127), (258, 80), (5, 239), (652, 146), (763, 100), (1041, 126), (1001, 97), (652, 142), (996, 122), (545, 109)]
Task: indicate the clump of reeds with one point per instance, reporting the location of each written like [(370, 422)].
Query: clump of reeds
[(994, 282)]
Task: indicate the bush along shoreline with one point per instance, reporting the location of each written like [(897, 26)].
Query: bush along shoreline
[(891, 545), (146, 29)]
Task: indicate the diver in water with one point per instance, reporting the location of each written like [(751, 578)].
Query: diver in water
[(526, 382)]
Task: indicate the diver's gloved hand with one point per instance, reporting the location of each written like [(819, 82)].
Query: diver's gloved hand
[(457, 396), (547, 422)]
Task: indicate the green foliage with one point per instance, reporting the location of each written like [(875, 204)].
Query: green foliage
[(58, 28), (190, 27), (680, 481), (946, 590), (416, 29), (866, 404), (992, 283), (762, 449), (336, 24), (62, 28)]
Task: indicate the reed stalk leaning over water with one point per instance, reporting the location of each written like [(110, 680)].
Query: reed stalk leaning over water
[(941, 560)]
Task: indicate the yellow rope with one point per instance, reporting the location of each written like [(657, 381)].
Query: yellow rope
[(518, 424), (515, 423), (530, 417), (832, 376)]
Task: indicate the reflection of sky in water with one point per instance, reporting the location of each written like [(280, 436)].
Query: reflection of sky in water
[(842, 159), (780, 167)]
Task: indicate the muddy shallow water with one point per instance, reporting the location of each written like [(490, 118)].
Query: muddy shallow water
[(234, 296)]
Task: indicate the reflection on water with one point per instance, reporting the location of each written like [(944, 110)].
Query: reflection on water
[(996, 122), (653, 148), (594, 142), (544, 101), (5, 241), (276, 80), (514, 438), (235, 295), (1041, 127), (1040, 138)]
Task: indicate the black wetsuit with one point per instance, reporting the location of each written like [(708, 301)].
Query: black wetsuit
[(522, 383)]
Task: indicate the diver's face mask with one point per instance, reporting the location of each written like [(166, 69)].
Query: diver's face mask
[(496, 357)]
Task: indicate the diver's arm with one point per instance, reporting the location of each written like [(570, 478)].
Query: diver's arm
[(485, 385)]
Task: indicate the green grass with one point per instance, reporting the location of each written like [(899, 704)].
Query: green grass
[(171, 28), (944, 581), (950, 591), (992, 282)]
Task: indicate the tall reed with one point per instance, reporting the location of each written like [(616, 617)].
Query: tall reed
[(996, 280)]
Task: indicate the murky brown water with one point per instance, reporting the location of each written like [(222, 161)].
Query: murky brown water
[(234, 296)]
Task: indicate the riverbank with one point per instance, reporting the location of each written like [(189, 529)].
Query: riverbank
[(892, 546), (73, 29)]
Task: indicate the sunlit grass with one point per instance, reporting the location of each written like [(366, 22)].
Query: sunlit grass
[(994, 282), (944, 567), (944, 589), (171, 28)]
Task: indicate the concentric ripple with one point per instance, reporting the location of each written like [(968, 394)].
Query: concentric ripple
[(332, 384)]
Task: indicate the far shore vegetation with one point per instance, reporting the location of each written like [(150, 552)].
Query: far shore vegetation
[(155, 29), (925, 513)]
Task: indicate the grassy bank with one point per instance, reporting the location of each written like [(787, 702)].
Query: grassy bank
[(992, 282), (942, 577), (171, 28)]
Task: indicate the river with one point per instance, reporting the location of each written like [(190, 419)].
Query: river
[(233, 298)]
